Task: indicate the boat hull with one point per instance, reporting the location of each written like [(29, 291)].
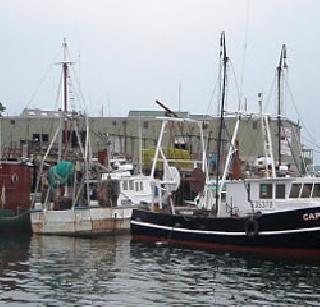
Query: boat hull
[(281, 232), (81, 221), (10, 223)]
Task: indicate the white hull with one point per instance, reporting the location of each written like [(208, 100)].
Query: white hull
[(81, 221)]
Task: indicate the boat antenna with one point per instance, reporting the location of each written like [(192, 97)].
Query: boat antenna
[(280, 93), (223, 60)]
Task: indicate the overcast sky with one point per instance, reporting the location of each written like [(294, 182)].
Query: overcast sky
[(129, 53)]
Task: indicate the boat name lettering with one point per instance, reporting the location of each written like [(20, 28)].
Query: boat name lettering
[(312, 216)]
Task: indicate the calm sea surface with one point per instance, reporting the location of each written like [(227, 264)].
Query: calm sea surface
[(112, 271)]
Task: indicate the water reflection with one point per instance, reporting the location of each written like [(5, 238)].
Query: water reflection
[(112, 271), (14, 254)]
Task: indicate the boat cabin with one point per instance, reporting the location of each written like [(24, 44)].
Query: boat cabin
[(131, 190), (270, 194)]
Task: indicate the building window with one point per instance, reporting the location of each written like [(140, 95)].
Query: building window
[(141, 185), (12, 122), (36, 137), (280, 191), (265, 191), (306, 190), (145, 125), (114, 123), (45, 137), (295, 190), (316, 191), (205, 125), (136, 185)]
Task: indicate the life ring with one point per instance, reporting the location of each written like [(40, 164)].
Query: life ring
[(251, 227)]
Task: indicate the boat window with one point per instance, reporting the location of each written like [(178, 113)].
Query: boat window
[(265, 191), (141, 185), (136, 185), (131, 187), (280, 191), (306, 190), (155, 191), (316, 191), (295, 190)]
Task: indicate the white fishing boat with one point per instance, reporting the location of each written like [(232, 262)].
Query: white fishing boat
[(78, 196)]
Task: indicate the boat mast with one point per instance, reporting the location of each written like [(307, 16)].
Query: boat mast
[(65, 65), (223, 61), (280, 93)]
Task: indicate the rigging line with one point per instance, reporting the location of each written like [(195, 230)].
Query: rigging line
[(80, 92), (293, 155), (299, 116), (300, 149), (312, 141), (314, 149), (212, 94), (270, 93), (59, 90), (35, 92), (80, 95), (293, 101), (236, 83), (244, 49)]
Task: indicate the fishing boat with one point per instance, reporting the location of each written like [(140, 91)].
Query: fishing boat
[(79, 196), (15, 184), (276, 214)]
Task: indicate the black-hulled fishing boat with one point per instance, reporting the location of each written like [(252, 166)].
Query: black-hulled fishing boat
[(268, 215), (275, 215)]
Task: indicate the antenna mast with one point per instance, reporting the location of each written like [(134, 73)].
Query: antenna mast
[(223, 60), (65, 69), (281, 68)]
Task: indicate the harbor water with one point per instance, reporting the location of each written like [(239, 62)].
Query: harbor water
[(114, 271)]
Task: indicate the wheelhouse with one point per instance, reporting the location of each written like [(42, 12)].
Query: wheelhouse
[(270, 194)]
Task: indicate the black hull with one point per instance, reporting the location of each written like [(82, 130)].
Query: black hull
[(295, 232)]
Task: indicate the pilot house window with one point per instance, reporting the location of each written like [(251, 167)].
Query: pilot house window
[(316, 191), (295, 190), (131, 185), (125, 185), (306, 190), (265, 191), (280, 191)]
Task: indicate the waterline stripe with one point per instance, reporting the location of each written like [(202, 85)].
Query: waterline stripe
[(226, 233)]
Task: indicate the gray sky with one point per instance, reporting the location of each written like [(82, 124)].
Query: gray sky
[(134, 52)]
